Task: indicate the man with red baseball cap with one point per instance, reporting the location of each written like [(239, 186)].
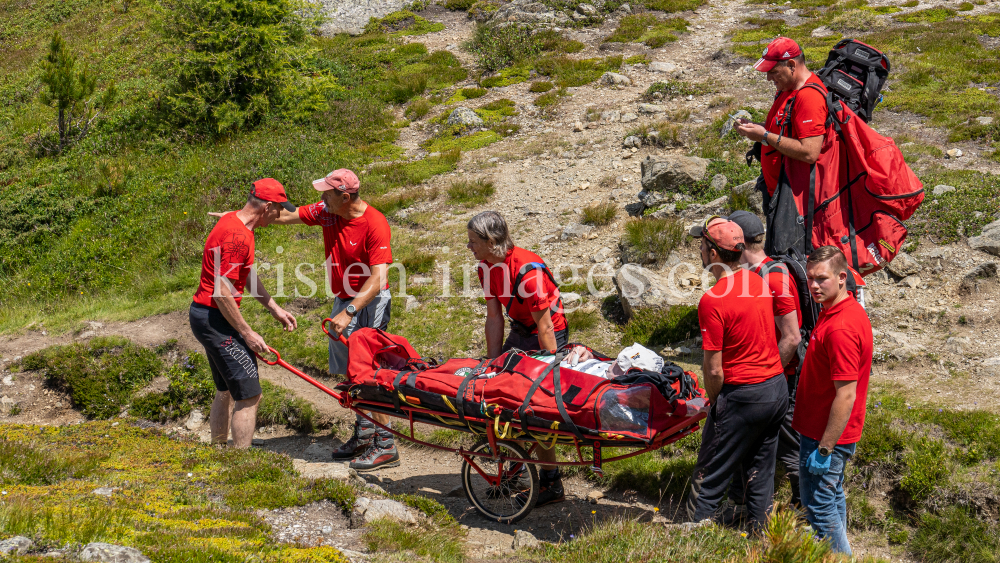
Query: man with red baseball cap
[(796, 123), (215, 316), (743, 376)]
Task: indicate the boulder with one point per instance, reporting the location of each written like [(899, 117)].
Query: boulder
[(111, 553), (615, 79), (728, 125), (719, 181), (635, 209), (903, 265), (594, 496), (629, 117), (957, 344), (611, 115), (652, 199), (368, 510), (639, 288), (989, 240), (17, 545), (575, 230), (942, 189), (194, 420), (659, 66), (524, 540), (464, 117), (754, 197), (411, 303), (971, 279), (665, 173), (632, 142), (323, 470), (912, 281), (984, 120), (649, 109), (587, 9), (954, 153)]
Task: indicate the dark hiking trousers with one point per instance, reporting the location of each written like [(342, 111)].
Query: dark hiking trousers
[(741, 431), (788, 455)]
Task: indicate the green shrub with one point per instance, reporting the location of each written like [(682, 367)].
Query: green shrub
[(955, 535), (670, 6), (925, 468), (100, 376), (551, 41), (659, 327), (739, 201), (472, 93), (910, 3), (191, 386), (498, 47), (540, 86), (404, 87), (600, 214), (403, 22), (966, 6), (859, 20), (237, 60), (280, 406), (579, 321), (568, 72), (930, 15), (654, 236), (24, 464), (550, 99), (461, 5), (470, 192), (417, 109)]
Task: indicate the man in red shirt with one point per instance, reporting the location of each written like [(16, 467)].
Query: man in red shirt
[(743, 378), (356, 238), (832, 395), (518, 280), (787, 321), (216, 320)]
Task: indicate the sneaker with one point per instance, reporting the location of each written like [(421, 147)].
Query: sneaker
[(351, 448), (380, 453), (733, 515)]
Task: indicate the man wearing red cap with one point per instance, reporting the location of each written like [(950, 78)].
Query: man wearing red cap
[(743, 376), (356, 238), (215, 315), (795, 126)]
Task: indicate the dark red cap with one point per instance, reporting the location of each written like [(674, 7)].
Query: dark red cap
[(343, 180), (721, 232), (269, 189), (781, 49)]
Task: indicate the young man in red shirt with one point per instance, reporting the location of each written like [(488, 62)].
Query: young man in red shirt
[(743, 377), (832, 395), (518, 280), (787, 322), (356, 238), (216, 320)]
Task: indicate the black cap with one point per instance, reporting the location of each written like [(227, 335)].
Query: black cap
[(750, 223)]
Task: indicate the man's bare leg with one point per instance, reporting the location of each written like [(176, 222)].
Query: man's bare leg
[(545, 455), (381, 418), (219, 417), (245, 421)]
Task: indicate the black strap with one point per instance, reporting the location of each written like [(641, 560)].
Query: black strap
[(531, 391), (395, 387), (460, 395), (562, 406), (529, 267)]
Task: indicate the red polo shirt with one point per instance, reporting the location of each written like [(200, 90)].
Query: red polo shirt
[(228, 253), (352, 246), (786, 300), (537, 290), (736, 317), (840, 349), (808, 119)]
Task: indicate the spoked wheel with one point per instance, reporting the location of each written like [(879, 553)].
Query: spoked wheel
[(504, 491)]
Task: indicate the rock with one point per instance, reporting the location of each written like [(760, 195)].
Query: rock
[(110, 553), (942, 189), (719, 181), (971, 279), (464, 117), (575, 230), (957, 344), (325, 470), (594, 496), (903, 265), (411, 303), (953, 153), (615, 79), (731, 122), (754, 197), (989, 240), (639, 288), (822, 31), (629, 117), (611, 115), (658, 66), (578, 17), (910, 281), (632, 142), (611, 47), (601, 255), (668, 172), (663, 212), (524, 540), (984, 120), (635, 209), (577, 127), (18, 545), (103, 491), (587, 9), (652, 199), (550, 238), (649, 109), (367, 510), (992, 362), (194, 420), (352, 17)]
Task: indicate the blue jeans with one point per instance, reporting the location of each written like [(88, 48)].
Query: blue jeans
[(823, 495)]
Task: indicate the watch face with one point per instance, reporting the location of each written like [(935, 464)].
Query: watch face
[(351, 309)]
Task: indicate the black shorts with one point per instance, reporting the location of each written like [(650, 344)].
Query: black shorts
[(234, 365), (521, 342)]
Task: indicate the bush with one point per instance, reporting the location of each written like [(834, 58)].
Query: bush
[(654, 236), (659, 327), (551, 41), (100, 376), (498, 47), (461, 5), (955, 535), (540, 86), (472, 93), (859, 20), (403, 87), (191, 386), (600, 214), (417, 109), (648, 29), (569, 72), (670, 6), (925, 468), (470, 192), (550, 99), (931, 15), (279, 406), (739, 201)]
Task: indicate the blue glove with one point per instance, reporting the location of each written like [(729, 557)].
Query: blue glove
[(818, 464)]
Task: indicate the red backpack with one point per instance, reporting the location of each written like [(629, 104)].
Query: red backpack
[(856, 197)]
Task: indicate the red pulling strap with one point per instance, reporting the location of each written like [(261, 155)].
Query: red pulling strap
[(279, 362), (339, 337)]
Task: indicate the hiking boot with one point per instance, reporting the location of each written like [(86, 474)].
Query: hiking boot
[(351, 448), (550, 483), (733, 515), (380, 453)]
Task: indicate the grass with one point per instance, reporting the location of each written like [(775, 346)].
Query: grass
[(568, 72), (671, 89), (946, 218), (659, 327), (600, 214), (27, 464), (540, 86), (403, 22), (647, 28), (418, 109), (463, 94), (658, 237), (671, 6), (427, 541), (279, 406), (955, 534), (551, 98), (470, 192), (459, 5), (580, 321), (937, 14)]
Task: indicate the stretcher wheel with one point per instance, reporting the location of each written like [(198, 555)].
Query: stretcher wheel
[(500, 503)]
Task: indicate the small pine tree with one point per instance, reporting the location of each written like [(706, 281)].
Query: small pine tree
[(70, 93)]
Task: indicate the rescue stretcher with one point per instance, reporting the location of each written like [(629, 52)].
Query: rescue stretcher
[(500, 467)]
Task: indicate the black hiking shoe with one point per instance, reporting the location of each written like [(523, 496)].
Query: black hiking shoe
[(733, 515), (380, 453), (550, 483), (364, 432)]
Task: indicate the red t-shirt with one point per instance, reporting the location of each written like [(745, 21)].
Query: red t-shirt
[(786, 300), (228, 253), (840, 349), (537, 290), (352, 247), (736, 316), (808, 120)]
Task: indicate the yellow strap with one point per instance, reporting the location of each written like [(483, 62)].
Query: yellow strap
[(496, 428), (447, 402)]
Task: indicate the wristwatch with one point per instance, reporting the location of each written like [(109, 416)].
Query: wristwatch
[(825, 452), (764, 140), (351, 310)]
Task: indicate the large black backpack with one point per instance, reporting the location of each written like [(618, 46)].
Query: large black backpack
[(855, 74)]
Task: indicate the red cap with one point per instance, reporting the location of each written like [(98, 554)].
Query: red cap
[(723, 233), (269, 189), (781, 49), (343, 180)]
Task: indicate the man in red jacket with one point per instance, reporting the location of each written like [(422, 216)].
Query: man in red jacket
[(742, 376), (832, 395)]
